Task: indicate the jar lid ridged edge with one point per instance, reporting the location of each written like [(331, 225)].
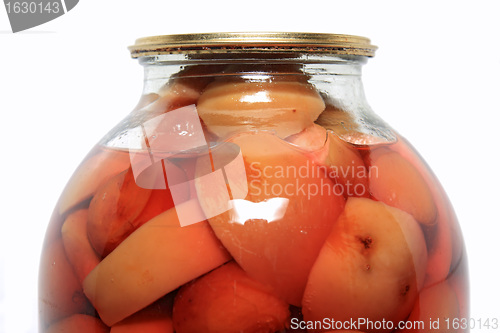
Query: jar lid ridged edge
[(234, 42)]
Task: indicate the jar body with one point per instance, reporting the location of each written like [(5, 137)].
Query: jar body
[(255, 194)]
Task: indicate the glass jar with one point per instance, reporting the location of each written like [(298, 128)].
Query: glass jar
[(252, 189)]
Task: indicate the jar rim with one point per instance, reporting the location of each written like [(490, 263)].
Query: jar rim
[(245, 42)]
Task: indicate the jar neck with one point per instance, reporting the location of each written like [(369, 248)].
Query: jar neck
[(338, 79), (159, 69)]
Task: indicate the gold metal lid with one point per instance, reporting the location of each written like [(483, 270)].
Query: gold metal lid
[(236, 42)]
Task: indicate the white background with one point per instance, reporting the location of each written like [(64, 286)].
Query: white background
[(64, 84)]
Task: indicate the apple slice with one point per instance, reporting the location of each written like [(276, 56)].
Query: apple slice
[(175, 94), (459, 282), (157, 258), (396, 182), (95, 170), (78, 323), (226, 300), (313, 142), (434, 305), (311, 138), (286, 107), (156, 318), (60, 293), (145, 100), (160, 201), (275, 229), (347, 166), (444, 240), (341, 161), (113, 210), (440, 247), (371, 266), (80, 253), (183, 89), (344, 123)]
